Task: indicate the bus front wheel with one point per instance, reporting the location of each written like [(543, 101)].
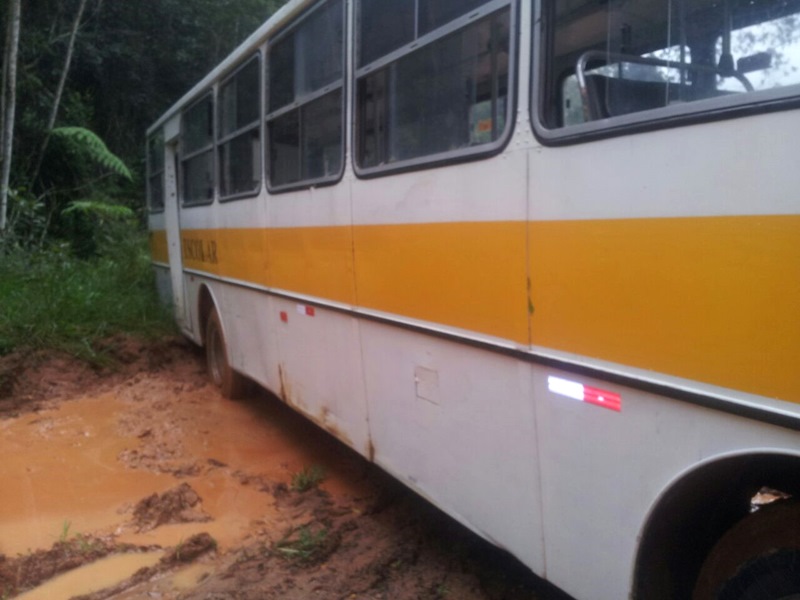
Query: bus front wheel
[(757, 559), (232, 384)]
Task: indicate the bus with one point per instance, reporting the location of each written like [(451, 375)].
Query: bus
[(537, 259)]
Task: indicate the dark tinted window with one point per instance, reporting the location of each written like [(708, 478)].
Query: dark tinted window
[(449, 95), (239, 146), (321, 43), (197, 152), (435, 13), (198, 178), (384, 25), (306, 142), (198, 126), (240, 99), (281, 73)]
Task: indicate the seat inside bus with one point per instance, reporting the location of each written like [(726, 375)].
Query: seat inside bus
[(615, 57)]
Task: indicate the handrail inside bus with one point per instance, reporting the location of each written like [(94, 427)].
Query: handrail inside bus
[(610, 57)]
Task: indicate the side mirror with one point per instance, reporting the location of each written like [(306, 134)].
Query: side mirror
[(754, 62)]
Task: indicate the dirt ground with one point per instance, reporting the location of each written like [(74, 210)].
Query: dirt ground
[(140, 481)]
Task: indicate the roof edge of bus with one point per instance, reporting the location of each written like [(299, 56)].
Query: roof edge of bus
[(252, 43)]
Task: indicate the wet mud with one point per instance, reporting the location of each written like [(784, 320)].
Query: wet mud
[(142, 473)]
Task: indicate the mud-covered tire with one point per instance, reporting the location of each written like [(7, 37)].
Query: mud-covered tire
[(757, 559), (232, 384)]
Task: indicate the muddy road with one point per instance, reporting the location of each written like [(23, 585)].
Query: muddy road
[(141, 481)]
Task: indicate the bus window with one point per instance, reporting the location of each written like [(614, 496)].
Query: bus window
[(155, 172), (197, 152), (443, 96), (305, 111), (769, 50), (384, 26), (624, 57), (239, 143)]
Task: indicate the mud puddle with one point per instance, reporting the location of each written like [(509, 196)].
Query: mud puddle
[(94, 576), (146, 475)]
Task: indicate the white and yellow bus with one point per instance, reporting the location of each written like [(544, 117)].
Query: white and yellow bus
[(539, 260)]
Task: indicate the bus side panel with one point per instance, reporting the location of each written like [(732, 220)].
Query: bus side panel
[(319, 371), (317, 366), (457, 425), (445, 249), (603, 471), (649, 260)]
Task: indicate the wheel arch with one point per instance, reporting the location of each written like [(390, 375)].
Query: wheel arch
[(696, 510), (206, 303)]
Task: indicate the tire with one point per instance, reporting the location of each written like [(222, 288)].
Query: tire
[(233, 385), (757, 559)]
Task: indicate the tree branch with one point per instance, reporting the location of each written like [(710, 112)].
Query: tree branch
[(51, 122)]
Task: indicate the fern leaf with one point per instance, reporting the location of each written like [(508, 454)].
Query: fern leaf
[(103, 210), (95, 148)]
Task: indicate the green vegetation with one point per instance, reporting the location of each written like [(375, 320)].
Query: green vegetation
[(65, 531), (87, 544), (76, 274), (51, 299), (309, 477), (82, 81), (305, 546)]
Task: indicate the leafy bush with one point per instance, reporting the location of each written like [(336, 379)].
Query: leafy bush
[(50, 299)]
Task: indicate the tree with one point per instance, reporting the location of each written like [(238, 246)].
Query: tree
[(9, 103), (111, 68), (51, 121)]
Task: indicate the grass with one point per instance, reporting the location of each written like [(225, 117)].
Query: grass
[(65, 526), (84, 544), (304, 546), (309, 477), (50, 299)]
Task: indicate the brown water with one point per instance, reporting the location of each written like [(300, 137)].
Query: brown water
[(92, 577), (81, 466), (60, 473), (103, 441)]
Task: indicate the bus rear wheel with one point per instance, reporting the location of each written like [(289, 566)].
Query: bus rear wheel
[(232, 384), (757, 559)]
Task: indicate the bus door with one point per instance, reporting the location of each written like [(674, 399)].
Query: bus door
[(172, 221)]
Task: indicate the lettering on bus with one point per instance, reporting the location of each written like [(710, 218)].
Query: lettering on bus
[(199, 250)]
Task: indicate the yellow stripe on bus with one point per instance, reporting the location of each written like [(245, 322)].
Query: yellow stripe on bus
[(467, 275), (158, 246), (715, 299), (317, 261)]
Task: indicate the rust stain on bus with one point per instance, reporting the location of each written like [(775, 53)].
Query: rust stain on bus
[(322, 419), (284, 391)]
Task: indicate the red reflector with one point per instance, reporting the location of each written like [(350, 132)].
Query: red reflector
[(310, 311), (583, 393), (602, 398), (284, 317)]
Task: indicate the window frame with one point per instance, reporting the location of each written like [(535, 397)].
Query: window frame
[(707, 110), (210, 147), (221, 140), (304, 100), (158, 138), (440, 159)]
